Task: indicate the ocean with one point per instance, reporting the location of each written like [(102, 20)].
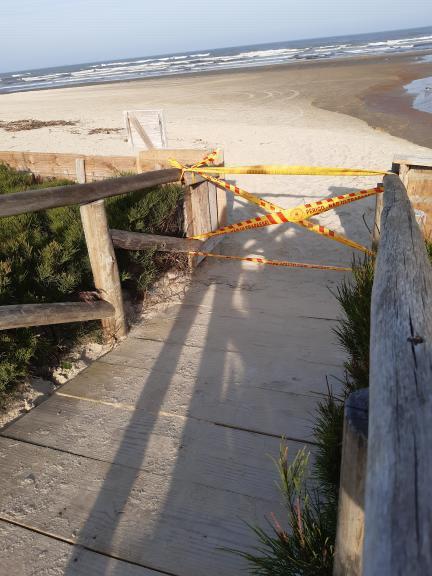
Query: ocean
[(221, 59)]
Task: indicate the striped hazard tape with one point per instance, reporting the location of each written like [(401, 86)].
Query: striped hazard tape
[(276, 214), (298, 214), (276, 169), (283, 263)]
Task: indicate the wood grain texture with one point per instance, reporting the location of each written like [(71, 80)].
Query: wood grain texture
[(80, 171), (152, 122), (147, 159), (42, 199), (51, 557), (419, 187), (139, 241), (56, 165), (171, 378), (22, 315), (174, 527), (183, 448), (412, 160), (140, 131), (348, 558), (379, 203), (398, 529), (104, 266)]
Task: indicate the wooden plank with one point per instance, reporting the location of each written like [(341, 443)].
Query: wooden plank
[(139, 241), (190, 326), (147, 159), (43, 199), (412, 160), (222, 206), (104, 266), (22, 315), (186, 449), (144, 518), (152, 122), (221, 197), (80, 171), (174, 379), (56, 165), (398, 488), (200, 208), (24, 552), (213, 207), (419, 187), (140, 130), (379, 203), (350, 525)]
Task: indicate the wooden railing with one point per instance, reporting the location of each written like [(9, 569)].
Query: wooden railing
[(204, 210), (390, 497)]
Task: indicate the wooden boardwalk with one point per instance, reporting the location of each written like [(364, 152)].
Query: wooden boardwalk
[(153, 459)]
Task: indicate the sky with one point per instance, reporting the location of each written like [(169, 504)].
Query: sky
[(43, 33)]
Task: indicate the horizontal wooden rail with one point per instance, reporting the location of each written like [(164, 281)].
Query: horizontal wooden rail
[(139, 241), (42, 199), (23, 315), (61, 165), (398, 514)]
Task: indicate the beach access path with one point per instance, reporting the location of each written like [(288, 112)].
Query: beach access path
[(158, 455), (154, 459)]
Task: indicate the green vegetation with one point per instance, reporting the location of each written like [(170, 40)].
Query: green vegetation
[(306, 547), (43, 258), (352, 332)]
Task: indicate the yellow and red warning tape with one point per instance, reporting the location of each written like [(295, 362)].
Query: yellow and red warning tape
[(276, 214), (258, 260)]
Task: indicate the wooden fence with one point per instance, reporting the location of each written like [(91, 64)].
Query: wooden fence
[(204, 210), (385, 506)]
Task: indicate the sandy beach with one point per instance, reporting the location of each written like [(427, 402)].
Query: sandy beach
[(248, 347), (270, 110), (292, 114)]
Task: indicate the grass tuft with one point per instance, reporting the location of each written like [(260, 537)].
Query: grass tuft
[(304, 548)]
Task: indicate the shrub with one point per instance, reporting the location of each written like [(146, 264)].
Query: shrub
[(43, 258), (306, 548)]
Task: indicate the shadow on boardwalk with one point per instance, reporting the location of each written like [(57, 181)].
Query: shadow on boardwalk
[(255, 366)]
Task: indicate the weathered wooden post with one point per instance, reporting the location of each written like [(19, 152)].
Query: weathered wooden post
[(379, 203), (104, 266), (205, 205), (416, 175), (350, 528), (398, 501)]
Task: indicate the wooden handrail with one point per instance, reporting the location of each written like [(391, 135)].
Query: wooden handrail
[(204, 210), (42, 199), (23, 315), (139, 241), (398, 511)]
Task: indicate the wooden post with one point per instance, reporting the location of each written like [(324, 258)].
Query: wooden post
[(104, 266), (398, 509), (379, 203), (205, 205), (80, 170), (350, 527), (416, 174), (205, 210)]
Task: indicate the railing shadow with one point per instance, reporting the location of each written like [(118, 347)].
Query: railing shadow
[(245, 387)]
